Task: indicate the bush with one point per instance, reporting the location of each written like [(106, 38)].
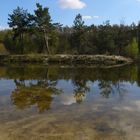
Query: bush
[(132, 49), (3, 49)]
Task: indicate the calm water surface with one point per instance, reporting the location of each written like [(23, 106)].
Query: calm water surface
[(69, 103)]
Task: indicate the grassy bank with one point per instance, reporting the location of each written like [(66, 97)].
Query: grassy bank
[(66, 59)]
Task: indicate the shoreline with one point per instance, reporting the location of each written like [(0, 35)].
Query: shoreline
[(89, 60)]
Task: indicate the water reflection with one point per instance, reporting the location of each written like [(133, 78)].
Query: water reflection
[(130, 73), (39, 94), (105, 103), (108, 87), (42, 92), (39, 85), (80, 89)]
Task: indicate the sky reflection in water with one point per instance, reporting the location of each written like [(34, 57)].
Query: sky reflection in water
[(103, 101)]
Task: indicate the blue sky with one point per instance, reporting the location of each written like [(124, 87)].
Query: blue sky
[(64, 11)]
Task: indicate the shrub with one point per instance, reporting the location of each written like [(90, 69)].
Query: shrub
[(3, 49), (132, 49)]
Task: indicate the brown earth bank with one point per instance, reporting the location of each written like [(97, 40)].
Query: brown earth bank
[(106, 60)]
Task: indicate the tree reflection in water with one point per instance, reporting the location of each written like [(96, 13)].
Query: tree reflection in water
[(108, 87), (42, 92), (39, 94), (80, 90)]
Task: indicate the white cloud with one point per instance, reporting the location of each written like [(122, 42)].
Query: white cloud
[(71, 4), (95, 16), (67, 99), (89, 17)]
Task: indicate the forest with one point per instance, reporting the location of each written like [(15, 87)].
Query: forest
[(37, 34)]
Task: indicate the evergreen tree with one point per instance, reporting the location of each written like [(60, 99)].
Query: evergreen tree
[(78, 35), (42, 22), (19, 21)]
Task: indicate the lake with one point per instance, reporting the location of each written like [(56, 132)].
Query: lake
[(39, 102)]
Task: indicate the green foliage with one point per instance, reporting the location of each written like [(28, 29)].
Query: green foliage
[(42, 17), (3, 49), (30, 29), (53, 42), (19, 22), (132, 49), (11, 45), (42, 21), (35, 33), (78, 34), (78, 23), (2, 35), (138, 34), (106, 39)]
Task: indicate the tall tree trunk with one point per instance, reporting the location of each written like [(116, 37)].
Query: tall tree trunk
[(46, 42), (21, 43)]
